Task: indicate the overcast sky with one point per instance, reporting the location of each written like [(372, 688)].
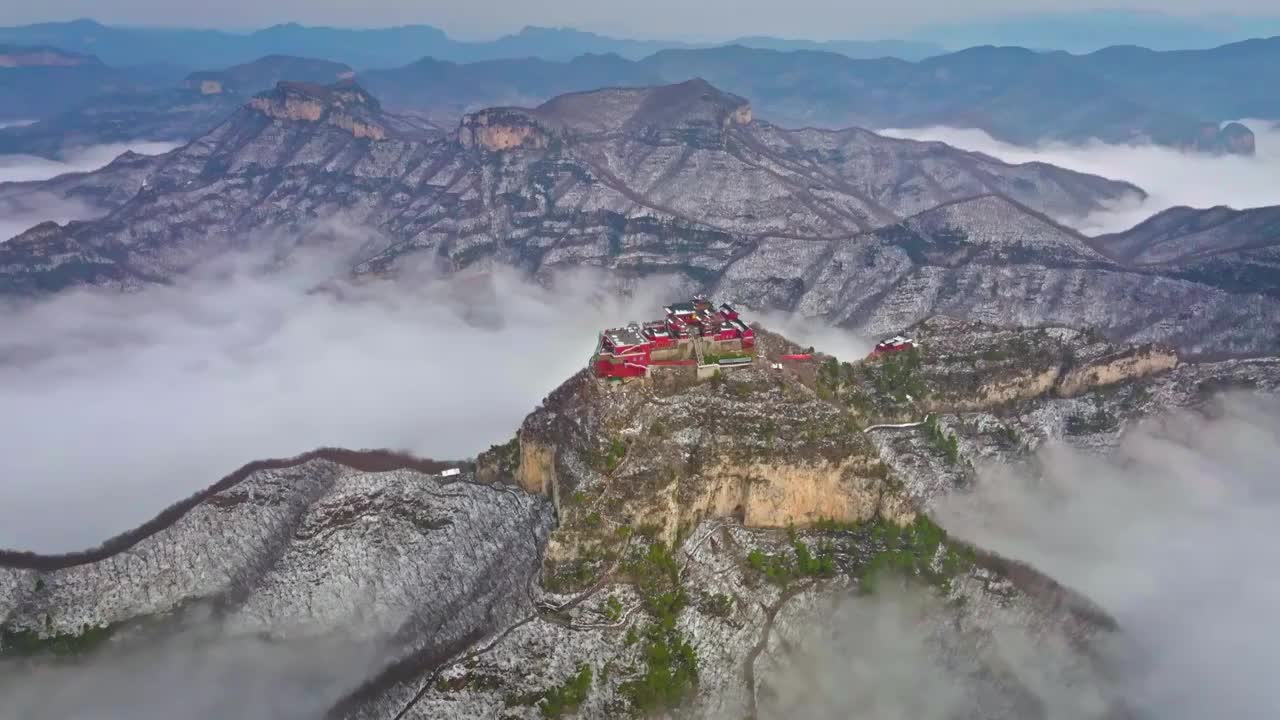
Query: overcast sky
[(710, 19)]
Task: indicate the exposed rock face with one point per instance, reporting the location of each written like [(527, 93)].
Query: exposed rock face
[(346, 107), (671, 453), (1125, 366), (502, 129)]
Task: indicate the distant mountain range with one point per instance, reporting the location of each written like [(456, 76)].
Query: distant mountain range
[(384, 47), (1119, 95), (176, 113), (38, 81), (1016, 95), (1084, 31), (678, 182)]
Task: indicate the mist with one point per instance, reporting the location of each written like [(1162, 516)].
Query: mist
[(1175, 536), (117, 405), (27, 168), (814, 332), (20, 212), (1170, 177), (197, 674)]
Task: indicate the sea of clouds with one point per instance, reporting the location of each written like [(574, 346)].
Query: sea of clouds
[(1173, 535), (1170, 177), (118, 405), (20, 212)]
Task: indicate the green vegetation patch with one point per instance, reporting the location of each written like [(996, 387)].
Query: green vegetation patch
[(911, 551), (878, 383), (945, 442), (713, 358), (1095, 422), (670, 661), (610, 458), (781, 569), (716, 605), (566, 698), (26, 643), (505, 457)]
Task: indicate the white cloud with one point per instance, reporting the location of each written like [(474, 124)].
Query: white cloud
[(26, 168), (19, 212), (838, 342), (117, 405), (1171, 177), (1175, 536), (200, 673)]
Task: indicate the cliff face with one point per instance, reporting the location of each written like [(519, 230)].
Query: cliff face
[(498, 130), (759, 447), (344, 106)]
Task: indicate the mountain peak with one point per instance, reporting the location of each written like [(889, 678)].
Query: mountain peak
[(343, 104), (693, 111), (263, 73)]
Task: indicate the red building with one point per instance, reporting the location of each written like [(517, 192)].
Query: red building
[(897, 343), (687, 330)]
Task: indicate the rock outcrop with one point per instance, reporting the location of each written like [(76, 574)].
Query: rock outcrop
[(671, 453), (502, 129), (345, 106)]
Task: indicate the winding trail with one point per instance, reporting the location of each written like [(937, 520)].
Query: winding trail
[(897, 426)]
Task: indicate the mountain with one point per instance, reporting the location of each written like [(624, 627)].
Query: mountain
[(378, 47), (36, 81), (621, 177), (203, 100), (449, 90), (678, 182), (1085, 31), (1184, 234), (265, 72), (1226, 247), (668, 543), (1181, 99), (1118, 95)]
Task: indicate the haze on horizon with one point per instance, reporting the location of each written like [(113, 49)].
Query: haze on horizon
[(953, 25)]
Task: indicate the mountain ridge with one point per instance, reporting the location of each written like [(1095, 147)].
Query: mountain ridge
[(700, 194)]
